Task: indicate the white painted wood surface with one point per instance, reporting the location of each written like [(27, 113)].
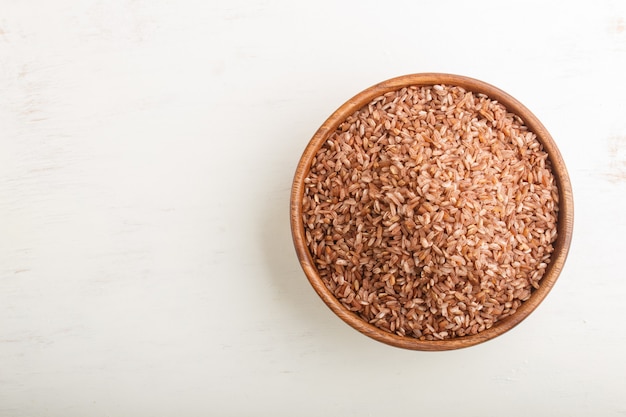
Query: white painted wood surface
[(146, 153)]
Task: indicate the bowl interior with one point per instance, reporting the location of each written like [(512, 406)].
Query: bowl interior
[(564, 225)]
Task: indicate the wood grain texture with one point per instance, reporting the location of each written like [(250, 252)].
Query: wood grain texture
[(565, 222), (147, 265)]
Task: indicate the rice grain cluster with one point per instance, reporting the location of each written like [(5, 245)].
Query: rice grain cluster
[(431, 212)]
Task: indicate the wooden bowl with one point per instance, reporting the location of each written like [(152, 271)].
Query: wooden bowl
[(564, 224)]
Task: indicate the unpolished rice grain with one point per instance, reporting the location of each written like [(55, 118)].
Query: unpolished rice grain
[(431, 212)]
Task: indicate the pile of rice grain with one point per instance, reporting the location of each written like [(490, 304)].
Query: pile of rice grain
[(431, 212)]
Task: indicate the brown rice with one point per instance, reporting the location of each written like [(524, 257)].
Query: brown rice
[(431, 212)]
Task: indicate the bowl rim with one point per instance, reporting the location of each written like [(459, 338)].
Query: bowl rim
[(564, 222)]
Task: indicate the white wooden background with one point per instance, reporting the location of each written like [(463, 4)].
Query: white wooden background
[(147, 149)]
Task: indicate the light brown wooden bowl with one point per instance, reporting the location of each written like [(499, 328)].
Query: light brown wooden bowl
[(565, 220)]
